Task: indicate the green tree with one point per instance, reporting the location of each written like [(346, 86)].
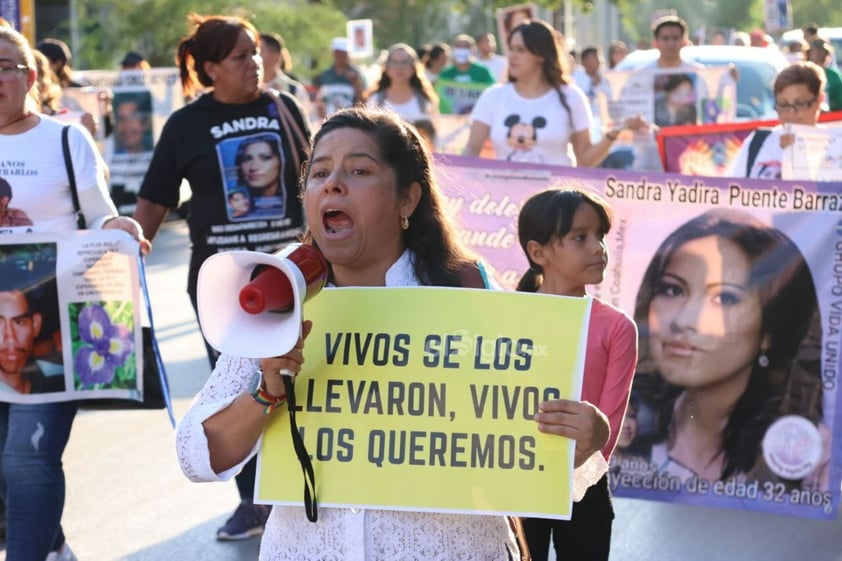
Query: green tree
[(155, 27), (826, 13), (738, 14)]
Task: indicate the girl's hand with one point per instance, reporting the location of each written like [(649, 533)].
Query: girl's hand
[(578, 420), (272, 367)]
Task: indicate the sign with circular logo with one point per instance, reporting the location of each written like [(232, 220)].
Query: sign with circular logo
[(792, 447)]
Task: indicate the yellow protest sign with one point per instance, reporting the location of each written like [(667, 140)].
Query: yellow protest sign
[(423, 399)]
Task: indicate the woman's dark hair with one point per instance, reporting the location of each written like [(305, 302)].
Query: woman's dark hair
[(542, 40), (5, 188), (436, 51), (668, 82), (780, 275), (269, 139), (58, 53), (418, 81), (801, 72), (238, 191), (439, 256), (213, 39), (548, 215)]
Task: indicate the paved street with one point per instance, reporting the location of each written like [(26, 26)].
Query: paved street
[(127, 499)]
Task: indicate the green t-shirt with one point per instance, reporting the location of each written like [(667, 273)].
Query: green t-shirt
[(458, 90), (833, 88)]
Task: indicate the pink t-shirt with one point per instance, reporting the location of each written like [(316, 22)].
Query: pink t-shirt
[(610, 363)]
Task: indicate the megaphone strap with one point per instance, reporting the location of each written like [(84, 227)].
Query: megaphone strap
[(310, 504)]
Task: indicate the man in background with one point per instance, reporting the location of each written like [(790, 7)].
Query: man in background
[(588, 77), (821, 53), (488, 57), (463, 80), (276, 62), (342, 84), (670, 34)]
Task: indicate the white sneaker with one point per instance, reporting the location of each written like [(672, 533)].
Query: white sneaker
[(62, 554)]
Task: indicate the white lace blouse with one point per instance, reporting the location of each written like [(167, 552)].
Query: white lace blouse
[(340, 534)]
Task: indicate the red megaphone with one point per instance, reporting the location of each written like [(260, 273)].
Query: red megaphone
[(270, 289)]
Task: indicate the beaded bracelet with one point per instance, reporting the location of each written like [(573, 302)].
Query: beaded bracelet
[(267, 400)]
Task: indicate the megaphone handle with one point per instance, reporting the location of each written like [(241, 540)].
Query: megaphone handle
[(311, 506)]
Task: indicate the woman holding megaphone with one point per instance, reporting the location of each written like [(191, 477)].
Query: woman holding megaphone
[(375, 212)]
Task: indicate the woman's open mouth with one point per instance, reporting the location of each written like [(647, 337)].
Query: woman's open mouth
[(337, 222)]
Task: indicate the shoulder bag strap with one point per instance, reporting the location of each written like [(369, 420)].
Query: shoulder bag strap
[(71, 176), (754, 146), (291, 129)]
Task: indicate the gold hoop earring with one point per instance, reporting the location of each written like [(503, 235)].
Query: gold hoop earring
[(404, 223)]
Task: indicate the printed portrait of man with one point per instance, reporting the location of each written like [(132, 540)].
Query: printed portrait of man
[(10, 216), (27, 320), (132, 122)]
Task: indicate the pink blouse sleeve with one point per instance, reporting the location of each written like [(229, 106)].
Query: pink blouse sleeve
[(622, 361)]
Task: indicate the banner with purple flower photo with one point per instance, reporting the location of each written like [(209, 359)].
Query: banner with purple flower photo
[(69, 317)]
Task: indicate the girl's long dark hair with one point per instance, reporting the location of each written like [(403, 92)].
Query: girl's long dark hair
[(791, 381), (439, 256)]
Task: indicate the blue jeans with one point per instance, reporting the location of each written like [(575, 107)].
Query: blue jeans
[(32, 439)]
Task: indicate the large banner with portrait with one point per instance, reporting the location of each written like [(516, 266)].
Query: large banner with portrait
[(70, 317), (736, 291), (141, 101)]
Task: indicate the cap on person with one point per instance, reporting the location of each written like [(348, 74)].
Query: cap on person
[(339, 44), (132, 59), (55, 49), (760, 36)]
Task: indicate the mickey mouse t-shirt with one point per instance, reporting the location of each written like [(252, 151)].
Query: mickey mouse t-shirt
[(533, 130)]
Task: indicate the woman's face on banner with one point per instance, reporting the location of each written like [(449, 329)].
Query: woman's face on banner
[(682, 94), (628, 430), (705, 318), (260, 166)]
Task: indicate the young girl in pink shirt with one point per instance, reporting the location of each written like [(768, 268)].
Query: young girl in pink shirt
[(562, 233)]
